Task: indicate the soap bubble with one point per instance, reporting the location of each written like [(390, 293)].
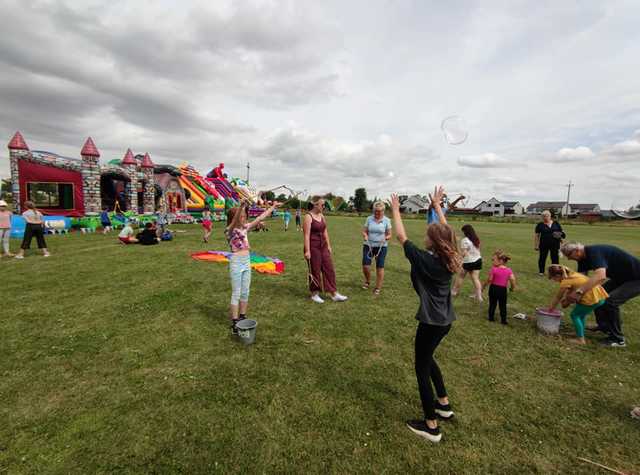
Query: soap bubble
[(455, 130), (626, 208)]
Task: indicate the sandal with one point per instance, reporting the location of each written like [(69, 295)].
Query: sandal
[(365, 286), (376, 291)]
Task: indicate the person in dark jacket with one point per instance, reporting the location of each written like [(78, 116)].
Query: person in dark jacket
[(547, 239), (148, 236)]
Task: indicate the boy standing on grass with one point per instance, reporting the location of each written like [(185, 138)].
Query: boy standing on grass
[(432, 270)]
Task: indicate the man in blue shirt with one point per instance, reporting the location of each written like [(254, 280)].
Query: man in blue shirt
[(623, 273)]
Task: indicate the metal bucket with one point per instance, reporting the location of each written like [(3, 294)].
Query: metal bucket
[(547, 322), (247, 331)]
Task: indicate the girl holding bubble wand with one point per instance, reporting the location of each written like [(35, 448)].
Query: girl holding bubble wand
[(432, 270)]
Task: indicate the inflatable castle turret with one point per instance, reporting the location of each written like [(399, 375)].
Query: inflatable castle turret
[(18, 149), (90, 177), (149, 191), (131, 168)]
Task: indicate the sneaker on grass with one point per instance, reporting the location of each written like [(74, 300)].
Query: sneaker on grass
[(611, 343), (316, 298), (234, 327), (423, 430), (444, 411), (337, 297)]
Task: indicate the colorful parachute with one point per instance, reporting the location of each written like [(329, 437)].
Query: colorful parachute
[(262, 264)]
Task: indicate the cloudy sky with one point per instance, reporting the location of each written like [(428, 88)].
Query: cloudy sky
[(332, 95)]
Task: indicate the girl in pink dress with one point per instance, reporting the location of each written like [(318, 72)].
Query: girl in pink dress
[(500, 276)]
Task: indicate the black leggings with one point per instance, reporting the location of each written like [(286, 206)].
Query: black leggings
[(498, 296), (31, 231), (542, 260), (428, 337)]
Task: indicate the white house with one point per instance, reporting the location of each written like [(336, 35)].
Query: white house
[(513, 208), (414, 204), (493, 207)]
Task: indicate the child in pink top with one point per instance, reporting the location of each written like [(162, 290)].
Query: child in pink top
[(499, 277), (5, 227)]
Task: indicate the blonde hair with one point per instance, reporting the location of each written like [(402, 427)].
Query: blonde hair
[(546, 212), (556, 270), (379, 205), (442, 241)]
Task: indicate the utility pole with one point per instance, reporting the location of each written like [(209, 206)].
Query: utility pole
[(569, 186), (248, 168)]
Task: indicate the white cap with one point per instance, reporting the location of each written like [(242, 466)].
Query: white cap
[(3, 203)]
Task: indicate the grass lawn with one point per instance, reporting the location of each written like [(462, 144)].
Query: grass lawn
[(119, 359)]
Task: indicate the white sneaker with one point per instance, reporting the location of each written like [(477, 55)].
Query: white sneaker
[(18, 256), (316, 298), (338, 297)]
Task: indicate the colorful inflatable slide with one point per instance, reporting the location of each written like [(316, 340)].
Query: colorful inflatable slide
[(201, 193)]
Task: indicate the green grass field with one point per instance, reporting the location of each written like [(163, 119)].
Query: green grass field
[(119, 359)]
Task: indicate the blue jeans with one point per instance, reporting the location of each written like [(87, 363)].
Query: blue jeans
[(240, 272)]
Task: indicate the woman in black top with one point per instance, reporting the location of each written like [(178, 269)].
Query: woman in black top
[(431, 273), (547, 239)]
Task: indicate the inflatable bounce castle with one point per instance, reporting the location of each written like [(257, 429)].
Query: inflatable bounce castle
[(77, 187)]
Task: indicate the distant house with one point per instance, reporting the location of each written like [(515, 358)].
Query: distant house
[(556, 207), (414, 204), (582, 208), (513, 207), (493, 207), (561, 208)]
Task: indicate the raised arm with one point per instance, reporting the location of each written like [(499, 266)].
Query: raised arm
[(436, 199), (401, 234), (263, 216)]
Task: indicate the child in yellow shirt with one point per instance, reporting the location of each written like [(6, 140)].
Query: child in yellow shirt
[(569, 281)]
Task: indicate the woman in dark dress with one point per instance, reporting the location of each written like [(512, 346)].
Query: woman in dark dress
[(547, 239)]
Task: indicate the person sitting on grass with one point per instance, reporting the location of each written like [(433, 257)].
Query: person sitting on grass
[(148, 236), (240, 260), (569, 281), (126, 234), (432, 270), (499, 277)]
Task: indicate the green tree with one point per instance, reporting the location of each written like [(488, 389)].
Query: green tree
[(281, 198), (269, 196), (5, 190), (360, 202)]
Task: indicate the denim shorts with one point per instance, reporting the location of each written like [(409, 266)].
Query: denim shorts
[(370, 253)]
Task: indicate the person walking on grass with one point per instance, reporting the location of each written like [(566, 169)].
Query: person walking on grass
[(317, 252), (431, 272), (547, 239), (286, 218), (207, 225), (623, 273), (298, 219), (240, 260), (570, 280), (34, 228), (376, 233), (499, 277), (105, 221), (471, 262), (5, 227)]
